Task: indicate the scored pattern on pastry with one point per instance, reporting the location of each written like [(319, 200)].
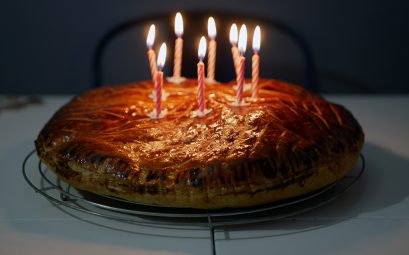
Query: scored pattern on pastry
[(284, 143)]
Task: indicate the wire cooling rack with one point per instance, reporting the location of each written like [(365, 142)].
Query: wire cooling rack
[(46, 183)]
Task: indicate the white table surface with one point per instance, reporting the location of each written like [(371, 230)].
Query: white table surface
[(371, 218)]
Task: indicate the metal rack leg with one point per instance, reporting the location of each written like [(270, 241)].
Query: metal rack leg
[(211, 228)]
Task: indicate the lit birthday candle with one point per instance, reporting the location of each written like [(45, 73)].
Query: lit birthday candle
[(177, 61), (200, 80), (234, 51), (151, 53), (242, 61), (211, 57), (200, 74), (158, 112), (255, 62)]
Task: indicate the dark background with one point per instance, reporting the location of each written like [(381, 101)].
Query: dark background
[(47, 46)]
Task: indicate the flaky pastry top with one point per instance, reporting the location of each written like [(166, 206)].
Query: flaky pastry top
[(114, 121)]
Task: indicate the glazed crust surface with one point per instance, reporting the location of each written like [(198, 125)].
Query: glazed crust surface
[(285, 143)]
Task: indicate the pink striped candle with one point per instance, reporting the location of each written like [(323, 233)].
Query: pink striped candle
[(240, 81), (236, 58), (242, 62), (255, 61), (211, 58), (151, 53), (200, 85), (234, 50), (200, 75), (158, 112), (158, 93), (177, 61), (152, 63)]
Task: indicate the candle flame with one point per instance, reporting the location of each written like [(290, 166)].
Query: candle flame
[(162, 56), (256, 39), (178, 24), (202, 48), (211, 28), (150, 39), (233, 34), (242, 39)]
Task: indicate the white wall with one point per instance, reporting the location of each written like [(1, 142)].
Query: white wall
[(46, 46)]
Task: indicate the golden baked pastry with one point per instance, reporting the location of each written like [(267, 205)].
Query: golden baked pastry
[(285, 143)]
